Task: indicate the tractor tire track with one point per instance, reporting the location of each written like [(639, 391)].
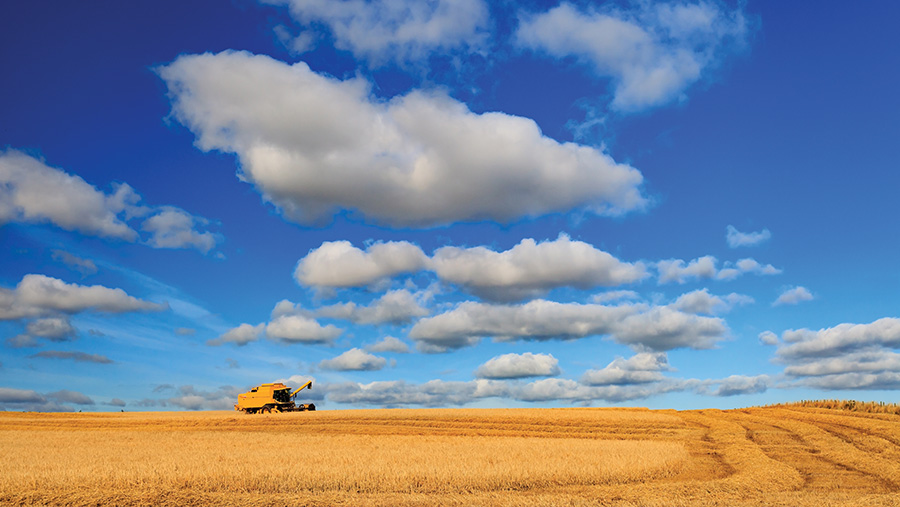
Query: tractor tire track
[(820, 470)]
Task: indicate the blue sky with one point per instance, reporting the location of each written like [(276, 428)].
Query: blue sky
[(448, 203)]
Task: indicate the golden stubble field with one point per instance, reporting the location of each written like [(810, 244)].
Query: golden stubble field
[(529, 457)]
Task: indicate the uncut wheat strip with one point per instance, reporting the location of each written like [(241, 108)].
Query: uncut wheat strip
[(754, 471), (838, 450)]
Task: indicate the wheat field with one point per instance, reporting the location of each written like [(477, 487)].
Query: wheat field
[(784, 455)]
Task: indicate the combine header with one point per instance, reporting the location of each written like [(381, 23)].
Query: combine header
[(275, 397)]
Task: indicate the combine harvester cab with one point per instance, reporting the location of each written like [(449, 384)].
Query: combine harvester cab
[(275, 397)]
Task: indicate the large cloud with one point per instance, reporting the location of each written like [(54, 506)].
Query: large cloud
[(313, 145), (663, 328), (527, 269), (657, 328), (846, 356), (436, 393), (385, 30), (510, 366), (33, 192), (652, 54), (39, 295), (466, 324), (531, 268), (840, 339)]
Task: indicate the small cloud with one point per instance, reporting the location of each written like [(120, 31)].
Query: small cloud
[(642, 368), (675, 270), (752, 266), (22, 341), (232, 364), (509, 366), (702, 302), (737, 385), (163, 387), (614, 295), (171, 227), (793, 296), (768, 338), (300, 329), (84, 266), (185, 331), (339, 264), (736, 238), (74, 397), (116, 402), (241, 335), (397, 307), (389, 344), (76, 356), (354, 360)]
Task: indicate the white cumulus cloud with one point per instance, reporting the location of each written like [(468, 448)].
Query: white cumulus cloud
[(704, 268), (844, 357), (354, 360), (313, 145), (641, 368), (386, 30), (702, 302), (395, 307), (170, 227), (33, 192), (340, 264), (675, 270), (301, 329), (389, 344), (241, 335), (84, 266), (735, 385), (509, 366), (793, 296), (39, 295), (736, 238), (531, 268), (840, 339), (655, 328), (651, 53)]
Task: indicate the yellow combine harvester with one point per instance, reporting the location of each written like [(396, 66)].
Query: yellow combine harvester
[(269, 398)]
